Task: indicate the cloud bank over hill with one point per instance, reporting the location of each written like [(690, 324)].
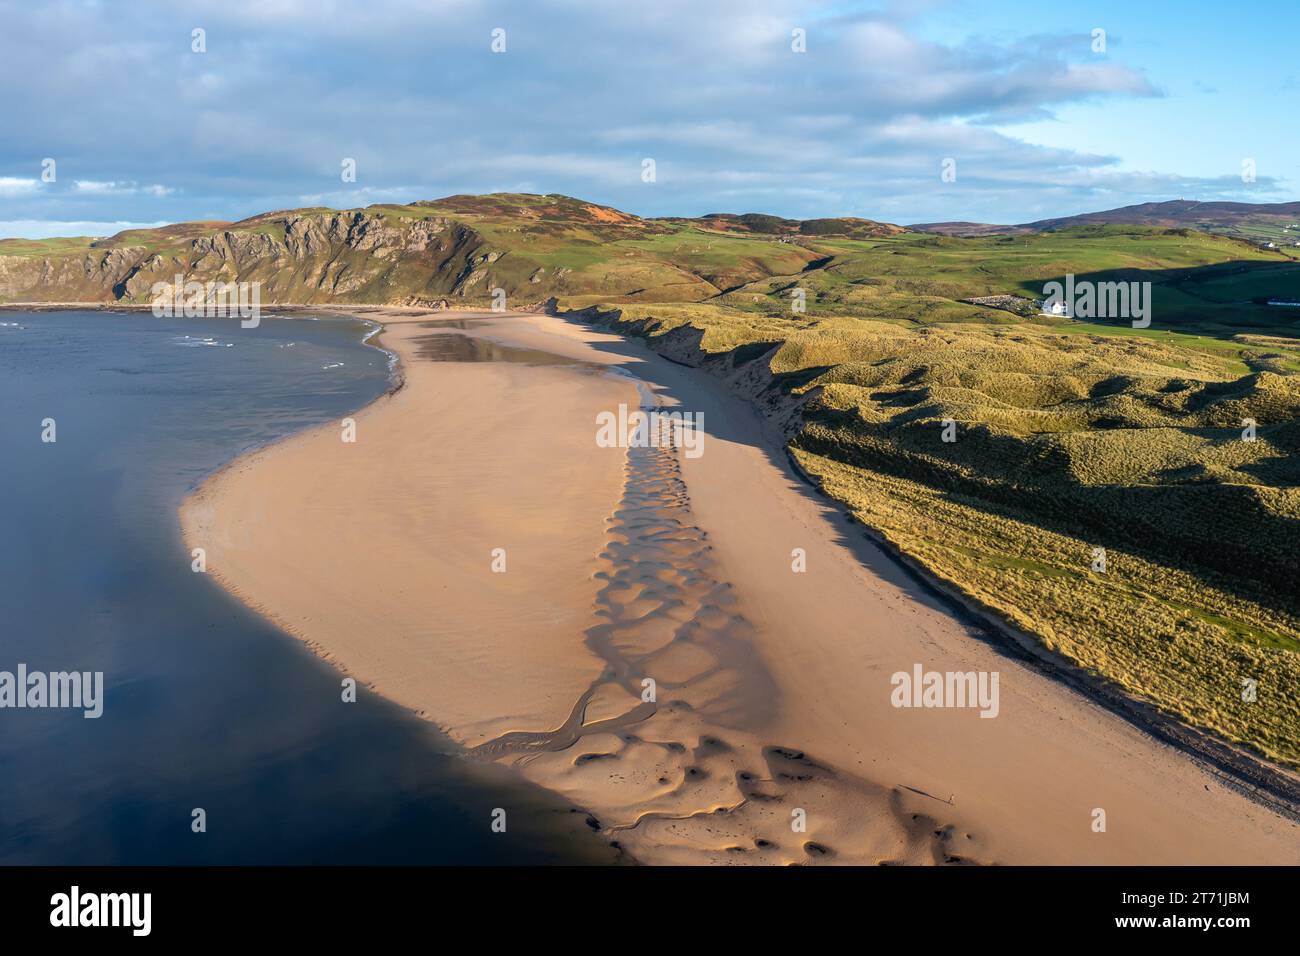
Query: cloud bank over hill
[(143, 127)]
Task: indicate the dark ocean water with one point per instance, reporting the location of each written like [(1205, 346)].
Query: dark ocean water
[(205, 704)]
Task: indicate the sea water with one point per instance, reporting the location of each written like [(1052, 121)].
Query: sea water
[(206, 705)]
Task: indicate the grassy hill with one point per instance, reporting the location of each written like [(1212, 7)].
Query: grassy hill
[(1071, 436), (454, 249), (1278, 223)]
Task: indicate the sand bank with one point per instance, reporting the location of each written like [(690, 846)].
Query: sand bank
[(771, 736)]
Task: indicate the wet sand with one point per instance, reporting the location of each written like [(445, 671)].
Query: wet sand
[(770, 737)]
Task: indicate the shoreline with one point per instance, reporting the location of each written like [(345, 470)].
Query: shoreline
[(173, 645), (256, 457), (860, 788)]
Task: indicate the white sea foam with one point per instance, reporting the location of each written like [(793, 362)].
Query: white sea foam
[(188, 342), (373, 328)]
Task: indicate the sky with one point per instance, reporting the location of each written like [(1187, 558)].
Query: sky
[(992, 111)]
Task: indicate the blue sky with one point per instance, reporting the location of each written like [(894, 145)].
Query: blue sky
[(143, 129)]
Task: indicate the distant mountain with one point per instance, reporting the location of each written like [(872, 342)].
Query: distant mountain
[(966, 229), (1259, 222), (763, 224)]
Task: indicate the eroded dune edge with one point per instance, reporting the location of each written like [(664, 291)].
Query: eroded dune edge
[(477, 558)]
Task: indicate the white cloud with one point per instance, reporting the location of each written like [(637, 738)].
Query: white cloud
[(101, 188), (351, 198), (16, 186), (111, 188)]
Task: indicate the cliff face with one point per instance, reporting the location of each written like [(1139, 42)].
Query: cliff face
[(330, 257), (49, 277)]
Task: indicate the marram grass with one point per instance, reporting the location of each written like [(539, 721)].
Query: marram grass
[(1069, 441)]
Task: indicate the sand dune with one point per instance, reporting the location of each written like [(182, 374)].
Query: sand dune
[(770, 737)]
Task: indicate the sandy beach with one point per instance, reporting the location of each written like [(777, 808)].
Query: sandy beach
[(476, 556)]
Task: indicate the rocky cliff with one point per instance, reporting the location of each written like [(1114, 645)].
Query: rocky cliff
[(324, 257)]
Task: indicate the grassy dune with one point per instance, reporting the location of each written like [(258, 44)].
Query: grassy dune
[(1069, 438), (1068, 444)]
